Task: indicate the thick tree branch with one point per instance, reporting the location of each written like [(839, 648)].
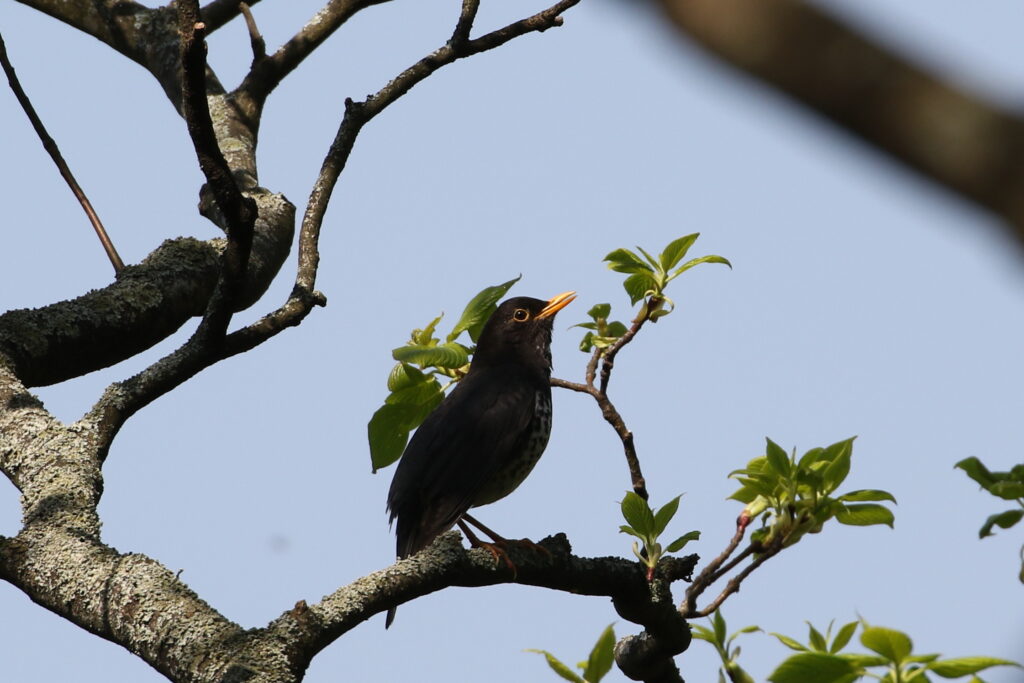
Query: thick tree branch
[(970, 146)]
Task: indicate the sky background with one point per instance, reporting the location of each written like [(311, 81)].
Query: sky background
[(863, 301)]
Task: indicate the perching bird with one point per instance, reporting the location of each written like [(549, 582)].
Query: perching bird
[(482, 441)]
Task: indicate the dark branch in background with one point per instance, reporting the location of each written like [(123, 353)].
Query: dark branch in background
[(605, 359), (65, 172), (972, 147), (259, 46)]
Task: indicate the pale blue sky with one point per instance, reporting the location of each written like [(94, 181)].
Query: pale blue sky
[(863, 301)]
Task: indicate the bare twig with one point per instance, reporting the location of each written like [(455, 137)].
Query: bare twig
[(219, 12), (259, 46), (606, 359), (358, 114), (718, 568), (65, 172), (267, 74)]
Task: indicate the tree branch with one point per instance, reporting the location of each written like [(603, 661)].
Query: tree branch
[(606, 358), (217, 13), (968, 145), (267, 74), (65, 172)]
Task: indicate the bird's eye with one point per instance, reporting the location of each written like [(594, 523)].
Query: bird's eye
[(521, 315)]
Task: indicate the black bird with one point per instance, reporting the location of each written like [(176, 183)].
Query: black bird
[(482, 441)]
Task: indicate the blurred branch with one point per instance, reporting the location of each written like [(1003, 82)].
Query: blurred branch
[(65, 172), (972, 147)]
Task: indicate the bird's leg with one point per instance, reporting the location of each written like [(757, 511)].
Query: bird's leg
[(505, 542), (494, 549)]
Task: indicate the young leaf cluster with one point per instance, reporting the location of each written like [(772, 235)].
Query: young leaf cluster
[(716, 635), (598, 664), (795, 496), (1005, 485), (648, 276), (891, 658), (603, 333), (647, 525), (413, 385)]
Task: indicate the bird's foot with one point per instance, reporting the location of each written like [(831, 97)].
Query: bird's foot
[(497, 550)]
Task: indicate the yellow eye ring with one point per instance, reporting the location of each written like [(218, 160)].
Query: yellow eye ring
[(521, 315)]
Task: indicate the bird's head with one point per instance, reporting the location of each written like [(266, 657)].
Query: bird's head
[(519, 332)]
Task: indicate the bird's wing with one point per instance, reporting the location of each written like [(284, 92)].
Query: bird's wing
[(457, 449)]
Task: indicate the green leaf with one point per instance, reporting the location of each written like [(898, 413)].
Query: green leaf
[(866, 495), (1007, 490), (791, 643), (599, 311), (778, 460), (665, 514), (702, 633), (962, 666), (638, 285), (599, 663), (426, 393), (977, 471), (697, 261), (815, 639), (679, 543), (388, 432), (839, 467), (1004, 520), (479, 309), (843, 637), (864, 514), (655, 265), (892, 644), (631, 531), (425, 337), (676, 250), (559, 667), (718, 624), (615, 329), (450, 355), (403, 376), (625, 261), (637, 513), (587, 343), (814, 667)]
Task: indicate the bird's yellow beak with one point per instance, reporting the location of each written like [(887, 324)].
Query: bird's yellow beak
[(556, 303)]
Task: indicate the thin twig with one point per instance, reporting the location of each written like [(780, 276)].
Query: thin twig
[(51, 147), (606, 357), (259, 46), (710, 573), (266, 74), (219, 12), (732, 587)]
